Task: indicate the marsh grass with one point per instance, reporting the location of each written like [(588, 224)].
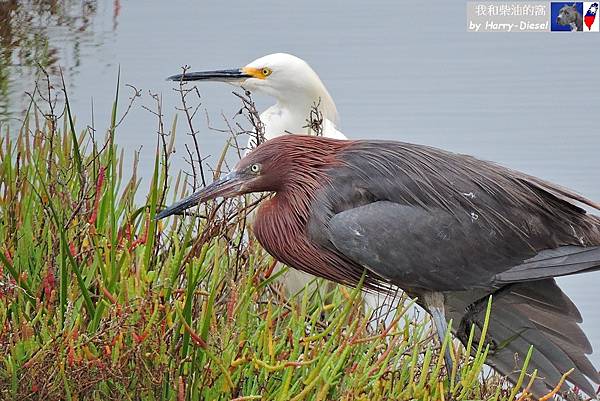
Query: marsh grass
[(99, 301)]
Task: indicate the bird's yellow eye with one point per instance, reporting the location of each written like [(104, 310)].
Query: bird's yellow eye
[(255, 168), (266, 71)]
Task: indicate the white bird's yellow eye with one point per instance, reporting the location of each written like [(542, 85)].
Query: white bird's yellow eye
[(255, 168), (266, 71)]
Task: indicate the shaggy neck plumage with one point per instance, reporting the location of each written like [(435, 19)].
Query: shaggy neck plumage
[(288, 212), (281, 228), (282, 222)]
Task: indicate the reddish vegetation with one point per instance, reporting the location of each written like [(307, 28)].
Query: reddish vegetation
[(99, 184), (143, 238), (49, 283)]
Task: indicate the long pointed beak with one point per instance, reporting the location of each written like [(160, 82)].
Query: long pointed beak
[(228, 186), (230, 76)]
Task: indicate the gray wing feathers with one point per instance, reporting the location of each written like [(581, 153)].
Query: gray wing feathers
[(553, 263), (417, 248), (505, 199), (564, 194)]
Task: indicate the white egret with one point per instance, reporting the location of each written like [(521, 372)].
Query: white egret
[(296, 88), (294, 85)]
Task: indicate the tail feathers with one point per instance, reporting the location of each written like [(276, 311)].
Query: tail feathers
[(544, 298), (507, 364), (557, 262), (549, 360), (546, 322), (531, 314), (578, 357)]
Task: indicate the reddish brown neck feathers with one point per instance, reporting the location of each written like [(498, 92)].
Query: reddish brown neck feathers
[(281, 225)]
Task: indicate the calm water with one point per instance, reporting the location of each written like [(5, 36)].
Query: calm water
[(404, 71)]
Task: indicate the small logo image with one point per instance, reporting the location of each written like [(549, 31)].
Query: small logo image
[(591, 20), (566, 16)]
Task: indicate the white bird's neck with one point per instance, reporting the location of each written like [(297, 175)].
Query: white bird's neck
[(291, 115)]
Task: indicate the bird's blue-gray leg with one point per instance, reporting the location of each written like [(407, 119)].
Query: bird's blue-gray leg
[(435, 306)]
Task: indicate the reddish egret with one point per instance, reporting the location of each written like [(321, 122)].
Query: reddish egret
[(448, 229)]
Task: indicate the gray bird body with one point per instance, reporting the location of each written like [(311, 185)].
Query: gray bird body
[(417, 216), (428, 221)]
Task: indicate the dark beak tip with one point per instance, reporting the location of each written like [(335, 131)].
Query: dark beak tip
[(217, 75), (226, 186), (160, 215)]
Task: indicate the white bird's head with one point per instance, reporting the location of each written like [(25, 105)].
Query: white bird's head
[(285, 77)]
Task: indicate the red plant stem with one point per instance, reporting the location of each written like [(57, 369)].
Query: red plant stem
[(141, 240), (99, 183)]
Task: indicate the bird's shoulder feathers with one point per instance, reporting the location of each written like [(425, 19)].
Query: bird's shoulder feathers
[(415, 215)]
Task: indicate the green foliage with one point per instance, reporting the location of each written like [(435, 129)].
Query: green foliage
[(99, 301)]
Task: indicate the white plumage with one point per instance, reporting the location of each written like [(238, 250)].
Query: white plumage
[(296, 89)]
